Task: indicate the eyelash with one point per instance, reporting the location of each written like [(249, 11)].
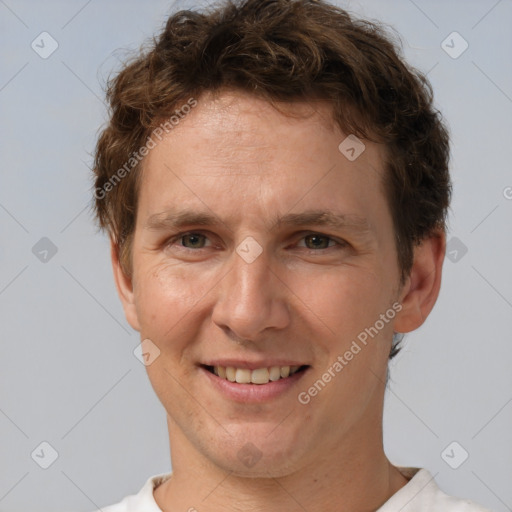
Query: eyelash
[(180, 236)]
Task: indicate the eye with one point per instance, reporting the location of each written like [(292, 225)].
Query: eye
[(195, 241), (319, 241), (190, 240)]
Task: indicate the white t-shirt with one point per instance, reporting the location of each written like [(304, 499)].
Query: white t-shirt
[(420, 494)]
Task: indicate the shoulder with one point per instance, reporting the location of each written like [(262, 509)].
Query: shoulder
[(422, 494), (143, 500)]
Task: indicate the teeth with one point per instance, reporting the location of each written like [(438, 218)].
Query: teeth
[(243, 376), (258, 376), (275, 373), (230, 374)]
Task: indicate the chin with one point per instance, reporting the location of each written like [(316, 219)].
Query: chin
[(257, 455)]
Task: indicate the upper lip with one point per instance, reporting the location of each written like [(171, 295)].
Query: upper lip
[(252, 365)]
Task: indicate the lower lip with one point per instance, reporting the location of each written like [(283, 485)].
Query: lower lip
[(253, 392)]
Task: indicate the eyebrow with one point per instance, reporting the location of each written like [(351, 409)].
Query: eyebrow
[(177, 219)]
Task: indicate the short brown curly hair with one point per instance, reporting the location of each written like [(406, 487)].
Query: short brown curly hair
[(282, 51)]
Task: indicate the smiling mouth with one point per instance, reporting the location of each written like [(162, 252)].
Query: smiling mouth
[(257, 376)]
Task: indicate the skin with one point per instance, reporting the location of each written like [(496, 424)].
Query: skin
[(305, 298)]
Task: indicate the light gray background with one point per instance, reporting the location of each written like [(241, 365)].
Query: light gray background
[(68, 374)]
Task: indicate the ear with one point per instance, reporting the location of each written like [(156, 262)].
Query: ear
[(420, 292), (124, 285)]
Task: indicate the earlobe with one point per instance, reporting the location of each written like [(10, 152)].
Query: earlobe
[(423, 284), (124, 285)]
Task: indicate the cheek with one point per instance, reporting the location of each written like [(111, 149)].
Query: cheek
[(164, 295), (174, 301), (344, 301)]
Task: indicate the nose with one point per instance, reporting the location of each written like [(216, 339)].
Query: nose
[(252, 298)]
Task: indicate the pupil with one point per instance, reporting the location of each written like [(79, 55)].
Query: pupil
[(317, 240), (194, 240)]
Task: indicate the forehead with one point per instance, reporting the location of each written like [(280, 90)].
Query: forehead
[(225, 126), (235, 150), (239, 111)]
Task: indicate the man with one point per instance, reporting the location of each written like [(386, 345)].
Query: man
[(274, 180)]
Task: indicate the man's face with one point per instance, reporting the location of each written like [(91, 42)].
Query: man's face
[(253, 278)]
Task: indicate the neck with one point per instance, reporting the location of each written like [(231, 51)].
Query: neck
[(357, 478)]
